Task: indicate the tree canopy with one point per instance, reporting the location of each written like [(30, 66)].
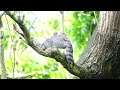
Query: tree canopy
[(22, 61)]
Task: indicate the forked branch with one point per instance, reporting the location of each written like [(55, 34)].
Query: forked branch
[(56, 54)]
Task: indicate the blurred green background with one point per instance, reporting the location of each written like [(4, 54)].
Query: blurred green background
[(78, 26)]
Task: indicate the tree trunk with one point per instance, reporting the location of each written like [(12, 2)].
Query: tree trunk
[(101, 57)]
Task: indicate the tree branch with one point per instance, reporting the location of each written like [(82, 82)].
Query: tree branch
[(56, 54)]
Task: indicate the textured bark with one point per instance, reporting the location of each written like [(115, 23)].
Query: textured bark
[(39, 48), (101, 57)]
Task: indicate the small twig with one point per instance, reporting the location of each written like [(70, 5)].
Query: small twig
[(95, 16), (32, 23), (7, 23), (23, 50), (62, 13), (24, 76), (14, 49), (22, 35), (14, 27)]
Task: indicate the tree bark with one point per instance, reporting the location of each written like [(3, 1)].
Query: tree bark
[(101, 57)]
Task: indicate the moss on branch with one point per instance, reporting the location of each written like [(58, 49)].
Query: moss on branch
[(56, 54)]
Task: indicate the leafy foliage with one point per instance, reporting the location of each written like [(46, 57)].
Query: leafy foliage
[(77, 26), (80, 28)]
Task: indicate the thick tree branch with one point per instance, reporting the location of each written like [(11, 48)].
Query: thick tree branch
[(21, 25), (56, 54)]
